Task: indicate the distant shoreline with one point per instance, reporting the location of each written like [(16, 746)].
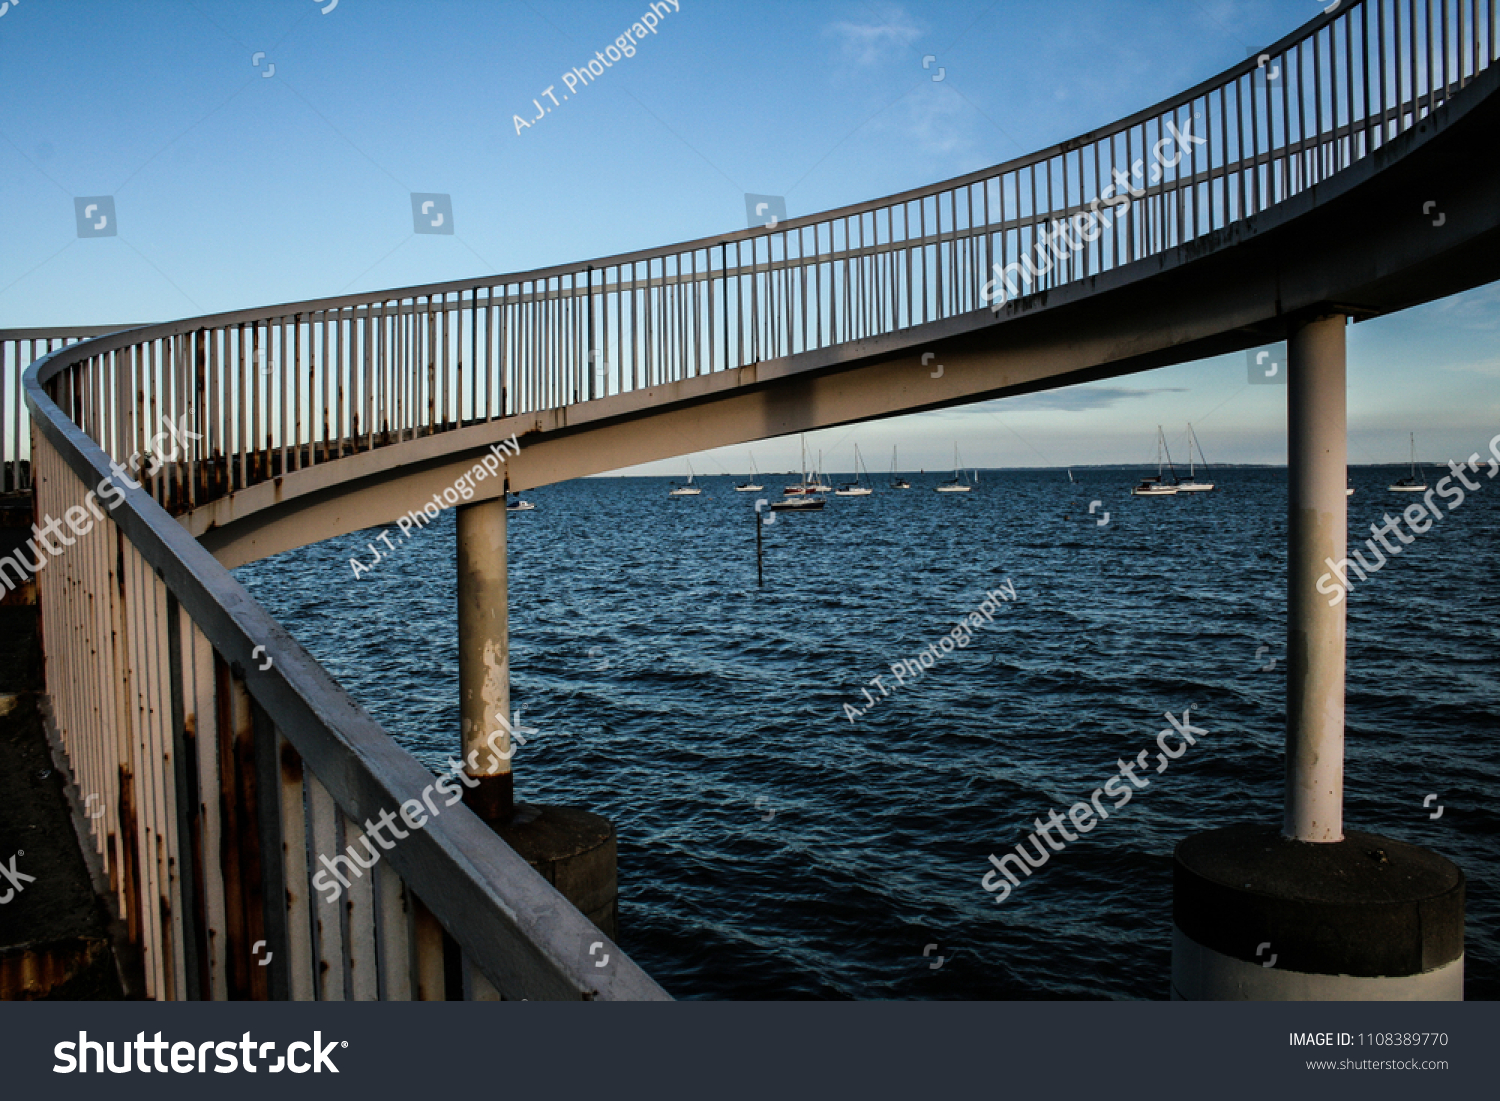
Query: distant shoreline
[(1060, 469)]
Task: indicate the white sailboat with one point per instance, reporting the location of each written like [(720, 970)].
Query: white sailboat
[(804, 488), (804, 495), (1411, 483), (1192, 485), (897, 482), (959, 482), (689, 490), (1156, 487), (855, 488), (818, 485), (750, 486)]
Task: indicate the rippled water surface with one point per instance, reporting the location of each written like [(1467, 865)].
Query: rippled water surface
[(772, 848)]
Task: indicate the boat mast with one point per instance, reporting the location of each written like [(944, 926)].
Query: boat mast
[(1192, 443), (1162, 440)]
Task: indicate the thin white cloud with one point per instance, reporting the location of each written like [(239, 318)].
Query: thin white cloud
[(1477, 310), (936, 120), (885, 36)]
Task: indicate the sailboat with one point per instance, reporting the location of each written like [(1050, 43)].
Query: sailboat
[(897, 482), (750, 486), (689, 490), (806, 487), (804, 495), (818, 485), (1410, 483), (855, 488), (1154, 486), (798, 504), (1192, 485), (958, 483)]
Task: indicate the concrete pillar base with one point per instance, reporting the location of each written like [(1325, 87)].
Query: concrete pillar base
[(1366, 918), (575, 852), (493, 798)]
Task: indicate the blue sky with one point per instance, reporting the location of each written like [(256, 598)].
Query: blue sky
[(234, 189)]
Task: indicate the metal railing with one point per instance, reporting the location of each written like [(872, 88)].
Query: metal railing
[(226, 776), (19, 349), (274, 390), (221, 781)]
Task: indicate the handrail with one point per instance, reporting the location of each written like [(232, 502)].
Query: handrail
[(262, 393), (305, 736), (279, 388), (18, 351)]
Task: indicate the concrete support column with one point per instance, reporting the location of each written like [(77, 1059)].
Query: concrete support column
[(1317, 529), (1309, 912), (484, 658), (573, 849)]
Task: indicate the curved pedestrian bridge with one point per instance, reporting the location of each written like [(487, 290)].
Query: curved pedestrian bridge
[(1348, 169)]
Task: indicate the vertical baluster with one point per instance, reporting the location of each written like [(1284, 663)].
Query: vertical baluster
[(296, 374), (1380, 58), (360, 909), (328, 855), (277, 393), (301, 977), (396, 927), (244, 869), (1443, 69), (428, 976), (10, 443), (118, 589), (187, 849), (206, 736), (144, 774)]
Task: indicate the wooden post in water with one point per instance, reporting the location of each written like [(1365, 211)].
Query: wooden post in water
[(760, 576)]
